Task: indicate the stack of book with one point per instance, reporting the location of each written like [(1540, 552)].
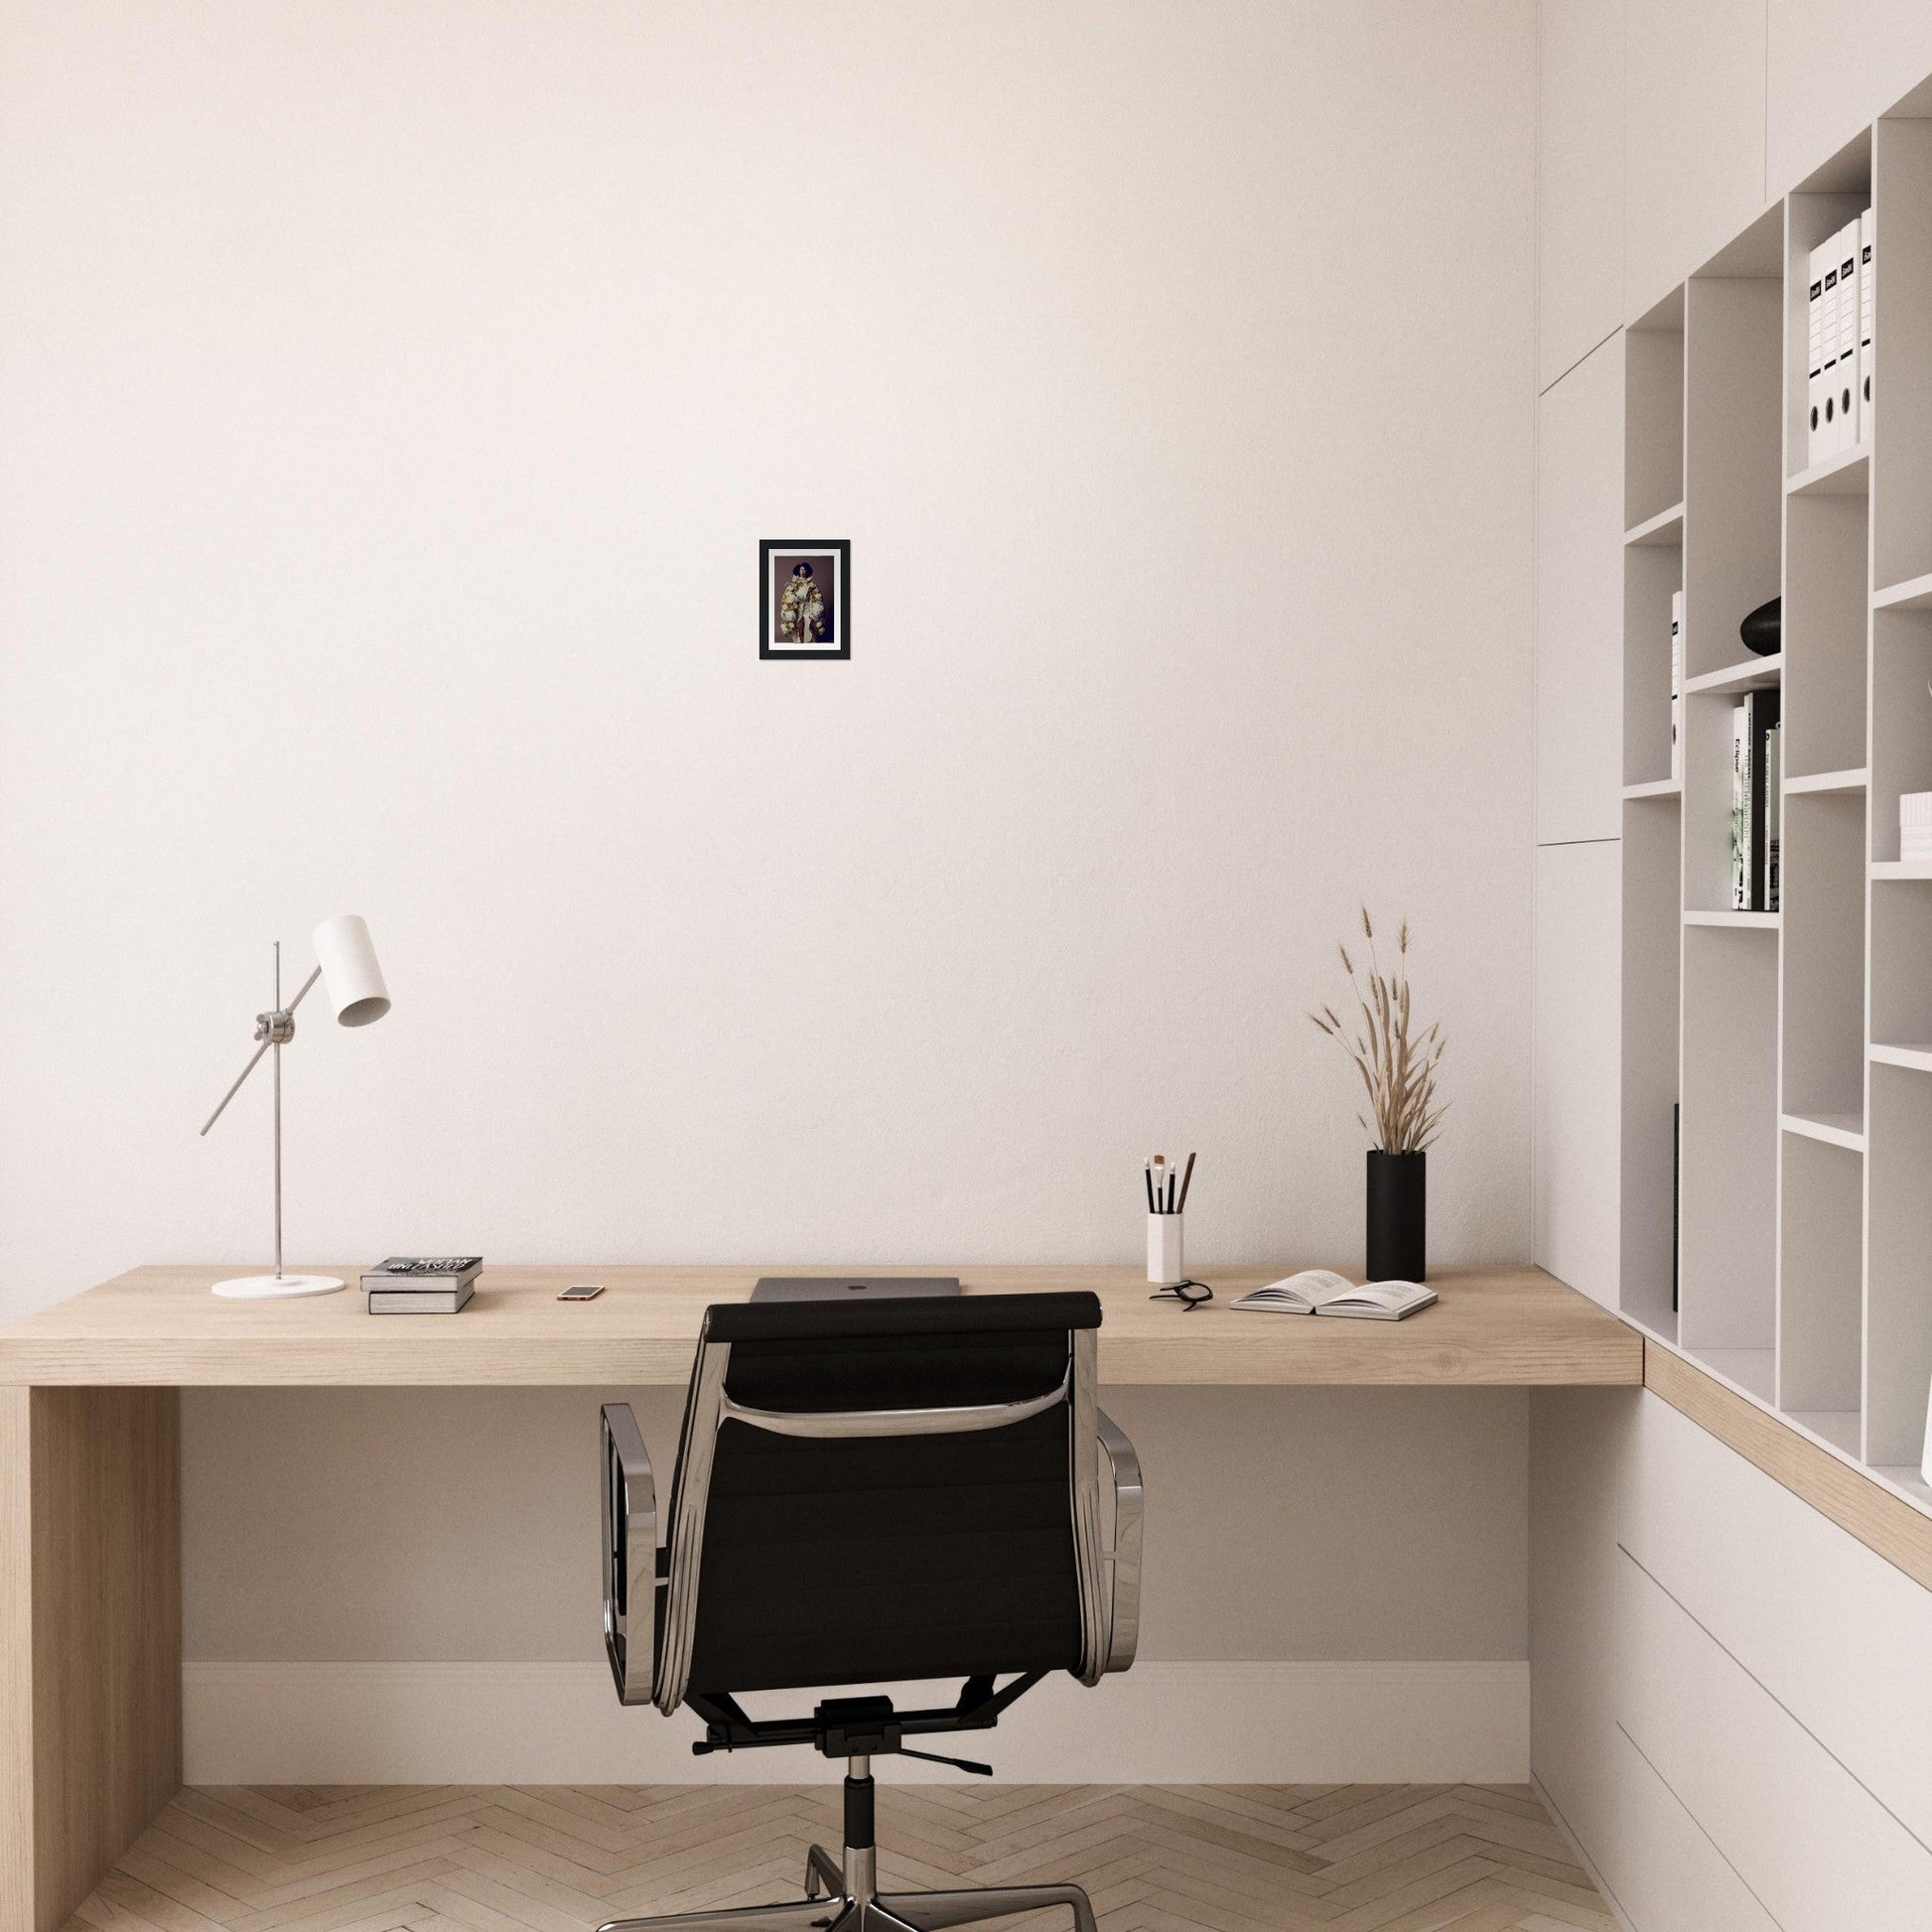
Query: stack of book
[(421, 1284), (1755, 804)]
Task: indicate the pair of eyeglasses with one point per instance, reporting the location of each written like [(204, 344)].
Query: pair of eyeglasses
[(1191, 1294)]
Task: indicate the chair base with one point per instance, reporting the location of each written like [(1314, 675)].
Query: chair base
[(848, 1904)]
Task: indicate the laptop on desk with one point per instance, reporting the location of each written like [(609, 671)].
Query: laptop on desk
[(848, 1288)]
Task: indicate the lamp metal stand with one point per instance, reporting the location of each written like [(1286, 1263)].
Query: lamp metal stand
[(273, 1030)]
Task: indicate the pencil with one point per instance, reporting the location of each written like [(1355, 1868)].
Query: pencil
[(1186, 1180)]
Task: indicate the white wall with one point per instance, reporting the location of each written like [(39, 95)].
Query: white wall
[(391, 400)]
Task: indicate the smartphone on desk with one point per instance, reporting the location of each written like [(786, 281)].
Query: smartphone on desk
[(582, 1292)]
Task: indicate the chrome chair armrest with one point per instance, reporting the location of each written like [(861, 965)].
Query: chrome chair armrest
[(1123, 1559), (629, 1555)]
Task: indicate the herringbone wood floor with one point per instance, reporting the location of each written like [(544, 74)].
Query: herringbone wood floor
[(558, 1858)]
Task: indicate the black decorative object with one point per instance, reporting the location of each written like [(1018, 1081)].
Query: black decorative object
[(1763, 630), (1398, 1217)]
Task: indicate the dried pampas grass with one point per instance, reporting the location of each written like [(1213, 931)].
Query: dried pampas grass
[(1397, 1067)]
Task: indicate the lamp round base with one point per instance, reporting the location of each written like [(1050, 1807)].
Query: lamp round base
[(275, 1288)]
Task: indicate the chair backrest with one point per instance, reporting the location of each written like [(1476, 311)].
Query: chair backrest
[(883, 1492)]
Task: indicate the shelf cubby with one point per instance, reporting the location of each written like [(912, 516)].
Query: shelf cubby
[(1817, 210), (1901, 962), (1651, 574), (1652, 854), (1899, 1291), (1825, 614), (1901, 457), (1653, 414), (1902, 718), (1822, 917), (1729, 1224), (1821, 1241), (1707, 730), (1733, 475)]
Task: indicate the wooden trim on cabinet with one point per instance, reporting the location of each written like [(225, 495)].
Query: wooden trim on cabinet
[(1884, 1523)]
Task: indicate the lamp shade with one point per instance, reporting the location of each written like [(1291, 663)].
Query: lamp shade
[(349, 974)]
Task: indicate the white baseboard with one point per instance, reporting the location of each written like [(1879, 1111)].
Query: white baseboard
[(561, 1723)]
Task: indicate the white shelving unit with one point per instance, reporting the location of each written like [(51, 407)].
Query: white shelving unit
[(1797, 1043)]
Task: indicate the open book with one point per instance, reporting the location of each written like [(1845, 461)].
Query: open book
[(1319, 1290)]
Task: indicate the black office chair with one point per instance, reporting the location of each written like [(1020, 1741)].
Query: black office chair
[(868, 1493)]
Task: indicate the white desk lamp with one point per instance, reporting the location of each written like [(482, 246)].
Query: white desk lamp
[(345, 965)]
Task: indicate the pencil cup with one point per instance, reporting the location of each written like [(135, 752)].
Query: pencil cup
[(1164, 1266)]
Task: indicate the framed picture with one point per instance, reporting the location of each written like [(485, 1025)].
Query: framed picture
[(805, 598)]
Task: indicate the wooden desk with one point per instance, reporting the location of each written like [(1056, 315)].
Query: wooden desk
[(90, 1461), (161, 1326)]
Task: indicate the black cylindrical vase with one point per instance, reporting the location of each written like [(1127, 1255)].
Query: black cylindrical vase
[(1398, 1217)]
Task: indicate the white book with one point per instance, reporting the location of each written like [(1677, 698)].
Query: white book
[(1846, 393), (1677, 686), (1741, 809), (1774, 812), (1868, 298), (1320, 1291), (1815, 356)]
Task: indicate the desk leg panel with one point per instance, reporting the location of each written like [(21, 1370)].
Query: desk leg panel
[(89, 1637)]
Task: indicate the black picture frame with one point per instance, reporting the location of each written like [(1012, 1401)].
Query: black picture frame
[(840, 649)]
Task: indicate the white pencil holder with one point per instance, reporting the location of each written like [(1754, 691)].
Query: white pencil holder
[(1165, 1265)]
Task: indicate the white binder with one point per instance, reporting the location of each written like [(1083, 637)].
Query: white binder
[(1827, 429), (1847, 390), (1815, 356), (1677, 686), (1866, 298)]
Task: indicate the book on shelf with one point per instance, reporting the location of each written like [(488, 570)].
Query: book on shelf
[(1753, 816), (1320, 1291), (420, 1301), (1677, 686), (1740, 810), (1774, 811), (422, 1274)]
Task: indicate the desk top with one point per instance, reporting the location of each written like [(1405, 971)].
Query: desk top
[(160, 1326)]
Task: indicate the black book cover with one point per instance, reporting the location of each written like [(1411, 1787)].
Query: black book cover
[(1675, 1191), (1760, 714)]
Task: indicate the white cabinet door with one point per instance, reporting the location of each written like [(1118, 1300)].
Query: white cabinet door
[(1815, 1847), (1580, 180), (1692, 137), (1835, 65), (1578, 752), (1841, 1638), (1574, 1112), (1663, 1870)]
